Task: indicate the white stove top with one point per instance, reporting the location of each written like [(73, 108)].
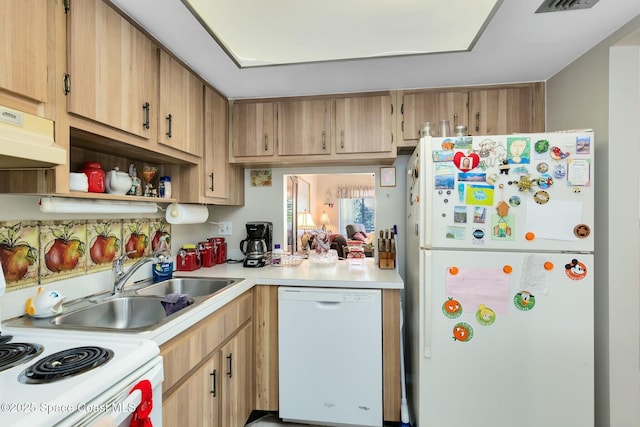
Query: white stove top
[(49, 403)]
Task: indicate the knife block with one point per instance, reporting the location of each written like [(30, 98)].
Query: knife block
[(386, 260)]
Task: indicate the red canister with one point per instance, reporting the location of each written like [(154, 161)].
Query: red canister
[(220, 249), (95, 177), (207, 253), (187, 259)]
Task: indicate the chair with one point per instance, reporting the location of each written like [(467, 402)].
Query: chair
[(352, 229)]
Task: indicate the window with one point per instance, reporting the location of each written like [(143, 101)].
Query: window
[(358, 211)]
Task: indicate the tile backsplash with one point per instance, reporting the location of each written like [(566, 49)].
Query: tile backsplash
[(39, 252)]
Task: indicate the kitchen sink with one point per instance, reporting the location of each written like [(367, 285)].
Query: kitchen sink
[(194, 287), (130, 313), (135, 310)]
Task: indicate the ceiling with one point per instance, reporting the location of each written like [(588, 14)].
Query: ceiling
[(316, 32), (517, 45)]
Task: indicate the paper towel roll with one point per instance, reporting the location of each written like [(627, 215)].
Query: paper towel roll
[(178, 213)]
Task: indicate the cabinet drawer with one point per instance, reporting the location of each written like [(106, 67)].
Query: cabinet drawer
[(186, 351)]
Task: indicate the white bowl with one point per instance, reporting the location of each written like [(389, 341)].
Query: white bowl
[(78, 182)]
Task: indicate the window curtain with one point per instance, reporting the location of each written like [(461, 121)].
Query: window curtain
[(354, 191)]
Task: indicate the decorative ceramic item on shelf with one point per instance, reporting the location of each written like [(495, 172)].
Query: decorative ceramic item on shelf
[(95, 177), (117, 182), (78, 181), (45, 304), (148, 173)]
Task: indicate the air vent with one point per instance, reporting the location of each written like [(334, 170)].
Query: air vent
[(562, 5)]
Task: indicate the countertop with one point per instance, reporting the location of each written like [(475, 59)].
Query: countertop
[(341, 275)]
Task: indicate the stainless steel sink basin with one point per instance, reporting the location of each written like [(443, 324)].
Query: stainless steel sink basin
[(128, 313), (138, 310), (194, 287)]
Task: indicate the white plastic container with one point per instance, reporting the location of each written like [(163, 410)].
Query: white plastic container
[(277, 256)]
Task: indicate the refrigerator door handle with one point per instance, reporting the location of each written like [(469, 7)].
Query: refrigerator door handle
[(427, 279), (425, 194)]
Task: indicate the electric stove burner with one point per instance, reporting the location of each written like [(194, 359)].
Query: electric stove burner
[(5, 338), (64, 364), (12, 354)]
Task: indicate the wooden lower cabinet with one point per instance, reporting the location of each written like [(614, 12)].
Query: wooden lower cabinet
[(194, 402), (236, 381), (209, 370)]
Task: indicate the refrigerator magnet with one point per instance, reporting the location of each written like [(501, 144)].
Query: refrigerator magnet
[(557, 153), (462, 332), (466, 163), (542, 167), (518, 150), (524, 301), (479, 195), (576, 270), (479, 214), (583, 145), (478, 236), (582, 231), (541, 146), (502, 228), (559, 171), (452, 308), (579, 172), (485, 316)]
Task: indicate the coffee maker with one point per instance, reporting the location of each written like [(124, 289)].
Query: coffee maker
[(257, 244)]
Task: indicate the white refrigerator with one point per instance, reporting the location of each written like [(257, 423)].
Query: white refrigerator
[(500, 281)]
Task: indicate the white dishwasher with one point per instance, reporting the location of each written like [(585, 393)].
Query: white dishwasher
[(330, 356)]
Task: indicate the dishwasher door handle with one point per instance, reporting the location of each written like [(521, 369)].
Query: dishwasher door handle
[(328, 305)]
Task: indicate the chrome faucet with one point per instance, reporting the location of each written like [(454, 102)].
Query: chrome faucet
[(120, 277)]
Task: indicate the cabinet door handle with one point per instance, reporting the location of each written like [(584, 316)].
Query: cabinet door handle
[(455, 120), (266, 141), (342, 139), (213, 383), (145, 108), (169, 120), (230, 361), (212, 186), (478, 122)]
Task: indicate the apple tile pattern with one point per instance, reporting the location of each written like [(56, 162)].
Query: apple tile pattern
[(19, 243), (37, 252), (62, 249), (104, 244)]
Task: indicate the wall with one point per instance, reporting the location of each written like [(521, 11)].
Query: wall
[(261, 203), (268, 203), (601, 90)]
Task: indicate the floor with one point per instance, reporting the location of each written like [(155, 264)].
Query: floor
[(271, 420)]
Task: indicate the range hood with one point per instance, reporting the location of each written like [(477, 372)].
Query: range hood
[(26, 141)]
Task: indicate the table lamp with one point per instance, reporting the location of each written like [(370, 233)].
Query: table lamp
[(305, 222)]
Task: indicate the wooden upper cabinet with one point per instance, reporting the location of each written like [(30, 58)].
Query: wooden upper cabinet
[(432, 107), (504, 110), (223, 182), (304, 127), (113, 70), (181, 107), (363, 124), (215, 159), (489, 110), (23, 47), (253, 129)]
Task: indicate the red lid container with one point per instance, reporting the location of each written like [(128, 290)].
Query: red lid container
[(187, 260), (207, 253)]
